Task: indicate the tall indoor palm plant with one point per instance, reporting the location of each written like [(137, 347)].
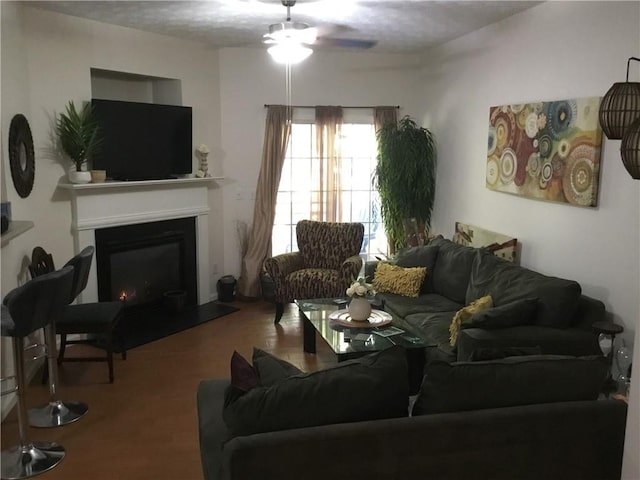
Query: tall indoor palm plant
[(406, 178)]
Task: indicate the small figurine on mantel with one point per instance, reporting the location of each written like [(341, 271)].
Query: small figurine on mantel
[(202, 151)]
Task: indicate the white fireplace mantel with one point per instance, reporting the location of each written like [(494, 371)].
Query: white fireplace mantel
[(109, 204)]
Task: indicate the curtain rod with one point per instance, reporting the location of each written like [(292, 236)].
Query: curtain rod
[(314, 106)]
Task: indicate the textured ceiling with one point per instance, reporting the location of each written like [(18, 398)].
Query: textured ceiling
[(407, 26)]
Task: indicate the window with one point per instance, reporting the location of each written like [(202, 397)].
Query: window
[(299, 198)]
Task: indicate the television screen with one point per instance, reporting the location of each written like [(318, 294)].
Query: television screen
[(143, 141)]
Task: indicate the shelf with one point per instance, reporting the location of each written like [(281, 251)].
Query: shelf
[(16, 228), (137, 184)]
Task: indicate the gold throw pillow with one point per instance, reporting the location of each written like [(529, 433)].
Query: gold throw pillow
[(465, 313), (390, 278)]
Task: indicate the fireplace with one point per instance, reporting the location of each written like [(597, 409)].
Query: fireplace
[(135, 219), (101, 206), (140, 264)]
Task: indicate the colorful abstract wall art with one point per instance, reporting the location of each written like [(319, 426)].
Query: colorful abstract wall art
[(546, 150)]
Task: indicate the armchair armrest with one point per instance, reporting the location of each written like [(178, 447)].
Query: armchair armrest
[(350, 268), (282, 265), (279, 267)]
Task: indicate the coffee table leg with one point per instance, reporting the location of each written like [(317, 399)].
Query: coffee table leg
[(309, 333)]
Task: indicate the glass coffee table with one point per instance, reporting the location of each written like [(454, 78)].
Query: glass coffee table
[(350, 341)]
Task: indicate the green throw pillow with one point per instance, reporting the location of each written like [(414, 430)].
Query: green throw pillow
[(272, 369), (369, 388), (424, 256)]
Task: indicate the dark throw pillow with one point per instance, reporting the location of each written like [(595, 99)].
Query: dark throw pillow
[(557, 298), (460, 386), (513, 314), (424, 256), (272, 369), (369, 388), (243, 376)]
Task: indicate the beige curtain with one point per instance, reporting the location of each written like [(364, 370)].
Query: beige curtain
[(326, 204), (276, 138), (384, 115)]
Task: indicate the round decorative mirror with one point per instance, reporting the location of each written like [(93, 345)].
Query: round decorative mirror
[(21, 156)]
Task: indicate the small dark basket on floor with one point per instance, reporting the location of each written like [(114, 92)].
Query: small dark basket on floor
[(174, 300), (227, 288)]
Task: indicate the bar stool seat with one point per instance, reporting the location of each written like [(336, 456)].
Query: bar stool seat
[(26, 309), (97, 319)]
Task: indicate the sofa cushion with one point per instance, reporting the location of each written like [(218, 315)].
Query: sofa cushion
[(272, 369), (452, 269), (369, 388), (564, 341), (509, 382), (433, 327), (465, 314), (427, 303), (423, 256), (513, 314), (483, 354), (506, 282), (390, 278)]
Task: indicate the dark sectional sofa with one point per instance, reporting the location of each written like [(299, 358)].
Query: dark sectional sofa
[(515, 399), (560, 323), (548, 424)]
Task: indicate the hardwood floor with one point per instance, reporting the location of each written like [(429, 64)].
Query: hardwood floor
[(144, 425)]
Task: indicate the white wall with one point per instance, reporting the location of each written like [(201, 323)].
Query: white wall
[(46, 61), (554, 51), (14, 99), (249, 79), (55, 54)]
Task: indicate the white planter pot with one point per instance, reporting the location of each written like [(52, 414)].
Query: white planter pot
[(78, 177), (359, 309)]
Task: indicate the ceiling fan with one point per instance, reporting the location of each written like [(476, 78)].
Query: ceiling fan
[(294, 36)]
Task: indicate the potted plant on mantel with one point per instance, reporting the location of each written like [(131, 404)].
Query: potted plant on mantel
[(405, 176), (79, 137)]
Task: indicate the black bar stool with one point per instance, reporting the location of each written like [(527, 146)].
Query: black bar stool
[(57, 412), (26, 309), (96, 321)]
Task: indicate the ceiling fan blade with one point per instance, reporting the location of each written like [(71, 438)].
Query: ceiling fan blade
[(345, 42)]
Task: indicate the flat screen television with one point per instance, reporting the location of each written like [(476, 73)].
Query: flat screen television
[(143, 141)]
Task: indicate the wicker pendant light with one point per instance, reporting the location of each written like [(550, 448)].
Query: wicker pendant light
[(620, 107), (630, 149)]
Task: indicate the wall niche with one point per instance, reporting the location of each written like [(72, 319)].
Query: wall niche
[(132, 87)]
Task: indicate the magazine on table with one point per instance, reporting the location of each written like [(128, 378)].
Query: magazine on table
[(389, 331)]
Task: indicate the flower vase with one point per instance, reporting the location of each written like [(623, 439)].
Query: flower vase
[(359, 309)]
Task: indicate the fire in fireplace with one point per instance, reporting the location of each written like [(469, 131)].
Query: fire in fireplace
[(139, 264)]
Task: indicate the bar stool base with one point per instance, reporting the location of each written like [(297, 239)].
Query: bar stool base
[(56, 414), (30, 459)]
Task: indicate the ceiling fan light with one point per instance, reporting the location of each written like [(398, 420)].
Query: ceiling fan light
[(289, 52), (296, 31)]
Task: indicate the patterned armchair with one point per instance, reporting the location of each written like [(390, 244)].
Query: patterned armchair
[(325, 266)]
